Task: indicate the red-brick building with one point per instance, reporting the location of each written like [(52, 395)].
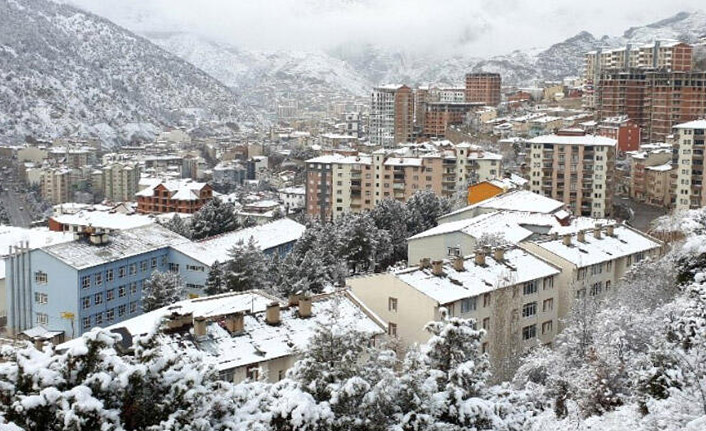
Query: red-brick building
[(483, 88), (184, 196), (624, 130)]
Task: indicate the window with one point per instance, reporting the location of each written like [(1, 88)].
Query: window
[(548, 305), (42, 319), (40, 298), (468, 305), (547, 327), (143, 265), (486, 323), (486, 300), (173, 267), (133, 288), (109, 275), (484, 348), (121, 291), (122, 309), (98, 298), (110, 315), (609, 265), (122, 271), (133, 307), (529, 332), (87, 322), (164, 260), (133, 268), (392, 329), (530, 287), (86, 281), (154, 262), (629, 261), (529, 309), (581, 293), (392, 304), (252, 372), (40, 277), (195, 268), (607, 285), (99, 319), (98, 279), (596, 288), (453, 251), (110, 295), (85, 302), (548, 283)]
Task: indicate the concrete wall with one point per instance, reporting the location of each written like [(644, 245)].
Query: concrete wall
[(436, 246)]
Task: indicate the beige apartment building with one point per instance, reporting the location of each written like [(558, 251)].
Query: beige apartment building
[(510, 293), (338, 184), (650, 174), (593, 261), (391, 115), (575, 168), (55, 185), (689, 150), (120, 181)]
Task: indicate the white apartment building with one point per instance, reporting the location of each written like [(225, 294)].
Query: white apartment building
[(391, 115), (689, 154), (575, 168)]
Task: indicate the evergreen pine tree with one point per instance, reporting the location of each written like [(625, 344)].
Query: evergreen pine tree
[(215, 283), (162, 289), (214, 218), (247, 268), (179, 226), (423, 208)]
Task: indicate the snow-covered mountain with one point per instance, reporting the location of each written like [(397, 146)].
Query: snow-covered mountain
[(353, 69), (64, 71)]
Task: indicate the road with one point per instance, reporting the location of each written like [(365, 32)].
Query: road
[(643, 214), (12, 195)]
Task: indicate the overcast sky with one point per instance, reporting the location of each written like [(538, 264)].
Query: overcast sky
[(478, 27)]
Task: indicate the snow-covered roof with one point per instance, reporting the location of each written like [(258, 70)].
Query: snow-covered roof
[(518, 266), (81, 254), (696, 124), (298, 190), (183, 189), (266, 236), (259, 341), (37, 237), (574, 140), (661, 168), (105, 220), (403, 161), (513, 200), (625, 242)]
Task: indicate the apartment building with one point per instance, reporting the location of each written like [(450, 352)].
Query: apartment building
[(120, 181), (689, 165), (248, 335), (511, 293), (391, 115), (95, 280), (624, 130), (593, 261), (337, 184), (483, 88), (575, 168), (175, 196), (650, 174), (56, 185), (438, 116)]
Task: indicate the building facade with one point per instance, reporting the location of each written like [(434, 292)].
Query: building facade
[(574, 168), (689, 165), (183, 196), (391, 115), (483, 88), (120, 181)]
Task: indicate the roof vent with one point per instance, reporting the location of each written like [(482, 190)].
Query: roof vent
[(597, 231), (305, 307), (458, 263), (499, 254), (437, 268), (272, 314), (610, 230), (424, 263), (235, 323), (480, 257), (581, 237), (567, 240)]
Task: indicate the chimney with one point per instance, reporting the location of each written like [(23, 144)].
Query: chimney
[(555, 236), (458, 263), (305, 307), (581, 237), (177, 321), (272, 314), (199, 326), (567, 240), (294, 299), (597, 231), (499, 254), (424, 263), (39, 343), (610, 230), (480, 257), (437, 267), (235, 322)]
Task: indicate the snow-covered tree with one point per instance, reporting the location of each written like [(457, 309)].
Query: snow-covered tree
[(215, 282), (162, 289), (390, 215), (247, 267), (180, 226), (423, 208), (214, 218), (363, 245)]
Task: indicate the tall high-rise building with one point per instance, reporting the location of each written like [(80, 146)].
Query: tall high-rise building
[(121, 181), (574, 168), (689, 145), (391, 115), (655, 100), (55, 185), (483, 88)]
